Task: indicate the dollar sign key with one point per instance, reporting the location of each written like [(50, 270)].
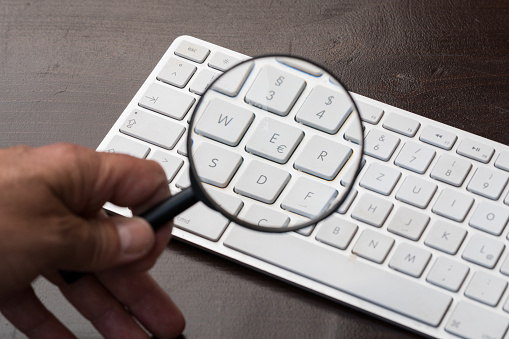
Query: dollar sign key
[(329, 100)]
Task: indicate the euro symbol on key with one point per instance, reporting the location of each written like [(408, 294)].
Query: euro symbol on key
[(281, 148)]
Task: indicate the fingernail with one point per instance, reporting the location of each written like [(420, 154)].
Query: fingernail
[(135, 234)]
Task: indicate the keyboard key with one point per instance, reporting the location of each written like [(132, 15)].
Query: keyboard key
[(380, 145), (170, 163), (262, 182), (325, 109), (205, 222), (408, 223), (369, 113), (303, 66), (300, 256), (471, 321), (203, 80), (224, 122), (502, 161), (415, 157), (438, 137), (380, 178), (176, 72), (373, 246), (192, 51), (336, 232), (119, 144), (445, 237), (451, 170), (348, 177), (483, 250), (265, 216), (306, 231), (490, 218), (402, 125), (182, 149), (372, 210), (202, 221), (322, 157), (309, 198), (486, 288), (416, 191), (154, 129), (222, 61), (448, 274), (505, 266), (168, 101), (410, 259), (345, 206), (215, 165), (453, 205), (475, 150), (488, 183), (183, 180), (231, 83), (354, 133), (275, 90), (274, 140)]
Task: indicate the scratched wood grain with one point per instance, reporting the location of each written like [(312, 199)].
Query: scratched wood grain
[(68, 69)]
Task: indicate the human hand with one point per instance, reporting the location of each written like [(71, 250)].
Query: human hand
[(51, 219)]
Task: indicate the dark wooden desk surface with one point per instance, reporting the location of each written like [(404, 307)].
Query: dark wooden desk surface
[(68, 68)]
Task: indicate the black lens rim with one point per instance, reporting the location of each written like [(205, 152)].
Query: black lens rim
[(204, 197)]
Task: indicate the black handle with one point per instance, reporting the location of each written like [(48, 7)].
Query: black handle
[(166, 210), (156, 216)]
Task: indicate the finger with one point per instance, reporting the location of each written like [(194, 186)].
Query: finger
[(163, 236), (26, 312), (101, 243), (105, 313), (137, 184), (86, 179), (147, 301)]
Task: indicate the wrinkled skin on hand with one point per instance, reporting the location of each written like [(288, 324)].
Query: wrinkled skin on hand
[(51, 219)]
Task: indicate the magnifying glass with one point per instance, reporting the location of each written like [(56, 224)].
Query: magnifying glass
[(274, 144)]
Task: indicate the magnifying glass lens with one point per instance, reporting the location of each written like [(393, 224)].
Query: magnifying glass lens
[(275, 144)]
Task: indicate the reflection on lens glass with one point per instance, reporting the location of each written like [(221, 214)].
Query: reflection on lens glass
[(276, 143)]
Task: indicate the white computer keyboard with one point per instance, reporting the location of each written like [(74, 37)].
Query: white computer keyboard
[(421, 240)]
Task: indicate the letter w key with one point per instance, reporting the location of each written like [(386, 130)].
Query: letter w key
[(224, 122)]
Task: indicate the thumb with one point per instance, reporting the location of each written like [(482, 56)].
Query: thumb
[(109, 242)]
